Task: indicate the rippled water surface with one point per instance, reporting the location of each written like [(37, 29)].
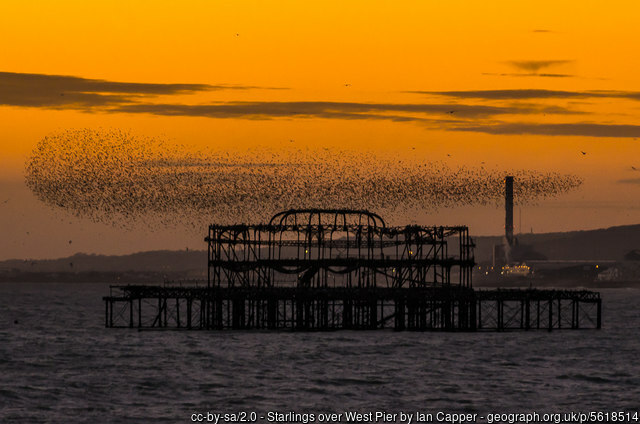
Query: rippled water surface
[(59, 364)]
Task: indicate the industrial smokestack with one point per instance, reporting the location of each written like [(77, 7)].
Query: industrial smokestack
[(508, 209)]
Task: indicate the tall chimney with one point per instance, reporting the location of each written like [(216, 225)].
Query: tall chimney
[(508, 209)]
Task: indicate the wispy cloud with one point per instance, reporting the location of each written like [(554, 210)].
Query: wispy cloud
[(63, 91), (456, 110), (530, 74), (505, 94), (93, 95), (533, 68), (629, 181), (521, 94), (569, 129), (334, 110), (536, 65)]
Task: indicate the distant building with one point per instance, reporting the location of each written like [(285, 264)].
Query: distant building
[(521, 270), (609, 274)]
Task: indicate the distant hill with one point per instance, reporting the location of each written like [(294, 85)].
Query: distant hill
[(161, 261), (603, 244)]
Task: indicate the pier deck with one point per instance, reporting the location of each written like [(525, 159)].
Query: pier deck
[(304, 309)]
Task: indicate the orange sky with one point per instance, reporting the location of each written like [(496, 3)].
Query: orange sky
[(577, 59)]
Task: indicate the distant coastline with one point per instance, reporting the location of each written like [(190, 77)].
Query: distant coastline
[(99, 277), (615, 247), (124, 278), (555, 284)]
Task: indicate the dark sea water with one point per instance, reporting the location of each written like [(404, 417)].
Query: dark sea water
[(59, 364)]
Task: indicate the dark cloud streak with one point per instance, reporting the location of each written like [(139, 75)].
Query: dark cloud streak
[(629, 181), (57, 91), (331, 110), (505, 94), (536, 65), (92, 95), (545, 75), (75, 93), (520, 94), (571, 129)]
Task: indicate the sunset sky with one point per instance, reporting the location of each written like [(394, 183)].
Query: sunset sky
[(546, 85)]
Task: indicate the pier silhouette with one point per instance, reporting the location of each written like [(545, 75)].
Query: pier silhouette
[(330, 269)]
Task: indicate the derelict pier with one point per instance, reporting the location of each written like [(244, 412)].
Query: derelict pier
[(321, 269)]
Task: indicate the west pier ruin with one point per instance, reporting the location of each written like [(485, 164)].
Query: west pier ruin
[(339, 269)]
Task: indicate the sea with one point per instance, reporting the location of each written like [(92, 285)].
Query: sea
[(59, 364)]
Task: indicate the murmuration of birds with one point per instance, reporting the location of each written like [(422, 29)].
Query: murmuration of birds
[(116, 177)]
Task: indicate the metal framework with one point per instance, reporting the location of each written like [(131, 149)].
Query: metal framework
[(326, 269), (511, 309), (421, 309), (319, 248)]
